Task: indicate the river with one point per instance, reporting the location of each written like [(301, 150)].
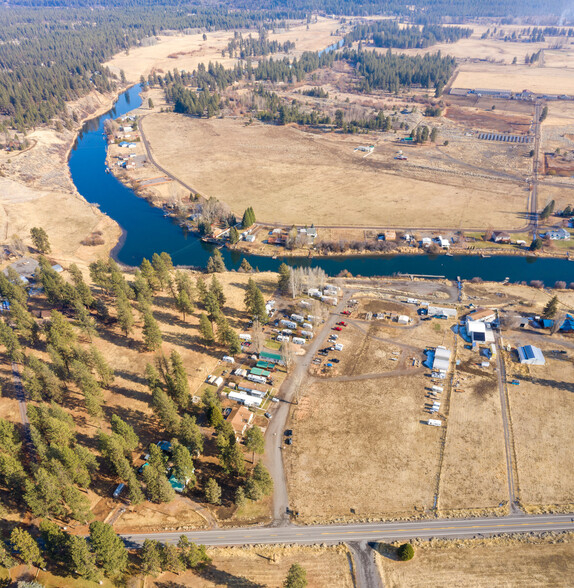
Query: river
[(147, 231)]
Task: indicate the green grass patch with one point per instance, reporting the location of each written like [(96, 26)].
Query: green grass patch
[(275, 345)]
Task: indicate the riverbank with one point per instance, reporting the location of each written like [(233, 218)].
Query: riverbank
[(36, 189)]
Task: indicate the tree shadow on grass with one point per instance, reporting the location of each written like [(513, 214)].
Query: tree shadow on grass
[(223, 578)]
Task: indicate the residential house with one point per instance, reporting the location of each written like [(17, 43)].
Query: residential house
[(501, 237), (479, 332), (558, 235), (485, 315), (240, 418)]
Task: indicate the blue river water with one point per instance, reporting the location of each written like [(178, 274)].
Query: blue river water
[(147, 231)]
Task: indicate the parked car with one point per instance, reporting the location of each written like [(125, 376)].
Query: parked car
[(338, 328), (346, 312), (515, 382), (288, 432), (268, 415), (289, 441), (334, 360), (342, 323)]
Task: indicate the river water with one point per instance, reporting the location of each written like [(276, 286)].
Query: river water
[(147, 231)]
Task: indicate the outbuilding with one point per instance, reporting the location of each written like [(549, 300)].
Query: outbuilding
[(531, 355), (403, 319)]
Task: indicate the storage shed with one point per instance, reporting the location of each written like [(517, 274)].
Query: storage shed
[(531, 355)]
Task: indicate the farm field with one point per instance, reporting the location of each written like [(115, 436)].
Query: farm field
[(328, 168), (544, 80), (497, 562), (542, 409), (357, 446), (342, 420), (475, 439)]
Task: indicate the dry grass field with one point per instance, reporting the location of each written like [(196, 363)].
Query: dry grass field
[(188, 51), (488, 564), (473, 474), (545, 80), (359, 443), (542, 409), (267, 567), (358, 446), (304, 174)]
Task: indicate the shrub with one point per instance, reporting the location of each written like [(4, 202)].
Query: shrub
[(406, 552)]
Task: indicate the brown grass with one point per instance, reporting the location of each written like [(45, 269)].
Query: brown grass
[(485, 564), (358, 445), (311, 178), (267, 566)]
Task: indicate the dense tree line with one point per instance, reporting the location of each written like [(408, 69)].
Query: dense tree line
[(186, 101), (389, 71), (388, 33), (49, 55), (244, 47)]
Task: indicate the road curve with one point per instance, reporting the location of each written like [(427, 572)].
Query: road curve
[(393, 531)]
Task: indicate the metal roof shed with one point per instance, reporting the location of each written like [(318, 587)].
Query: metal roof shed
[(531, 355)]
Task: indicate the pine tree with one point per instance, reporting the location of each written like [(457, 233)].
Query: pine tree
[(215, 263), (212, 492), (40, 239), (158, 488), (83, 290), (166, 410), (85, 321), (190, 435), (296, 577), (180, 382), (263, 478), (192, 555), (254, 441), (82, 559), (148, 274), (170, 559), (551, 308), (184, 304), (240, 498), (102, 367), (183, 469), (111, 553), (151, 333), (245, 266), (284, 278), (255, 303), (125, 315), (129, 439), (26, 547), (248, 218), (233, 235), (151, 558), (216, 289), (206, 330)]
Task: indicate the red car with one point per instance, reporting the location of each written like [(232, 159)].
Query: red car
[(342, 323), (346, 312), (337, 328)]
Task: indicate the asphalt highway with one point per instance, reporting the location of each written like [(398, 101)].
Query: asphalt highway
[(443, 528)]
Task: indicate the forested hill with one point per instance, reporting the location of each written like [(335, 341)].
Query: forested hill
[(51, 51)]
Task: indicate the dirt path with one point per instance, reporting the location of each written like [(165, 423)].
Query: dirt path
[(273, 456), (365, 569)]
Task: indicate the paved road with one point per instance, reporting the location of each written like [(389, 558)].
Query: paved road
[(274, 445), (332, 534)]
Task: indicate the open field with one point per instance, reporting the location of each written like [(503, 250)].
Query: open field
[(474, 439), (358, 443), (544, 80), (489, 563), (326, 166), (542, 409), (36, 190), (266, 566), (188, 51), (358, 446)]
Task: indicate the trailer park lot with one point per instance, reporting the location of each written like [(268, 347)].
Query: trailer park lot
[(362, 447)]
